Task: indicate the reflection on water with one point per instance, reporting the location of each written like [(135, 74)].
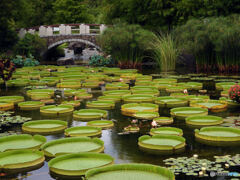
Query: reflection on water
[(124, 148)]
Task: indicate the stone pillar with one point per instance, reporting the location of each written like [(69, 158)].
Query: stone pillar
[(22, 33), (87, 29), (42, 31), (49, 31), (102, 28), (68, 30), (62, 29), (82, 29)]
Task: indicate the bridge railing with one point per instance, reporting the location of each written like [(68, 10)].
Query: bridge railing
[(64, 29)]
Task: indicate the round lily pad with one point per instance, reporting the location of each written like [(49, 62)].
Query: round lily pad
[(101, 104), (109, 98), (101, 123), (83, 96), (183, 112), (83, 131), (146, 115), (72, 103), (30, 105), (5, 106), (213, 105), (72, 92), (20, 160), (141, 98), (40, 91), (72, 85), (218, 136), (119, 93), (117, 86), (44, 126), (56, 110), (131, 108), (171, 102), (72, 145), (21, 141), (89, 114), (13, 99), (161, 144), (167, 131), (153, 92), (77, 164), (163, 120), (175, 89), (204, 120), (130, 172)]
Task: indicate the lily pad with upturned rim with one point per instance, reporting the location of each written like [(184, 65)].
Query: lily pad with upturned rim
[(130, 172), (30, 105), (163, 120), (119, 93), (72, 103), (166, 131), (56, 110), (72, 145), (204, 120), (20, 160), (139, 98), (171, 102), (21, 141), (44, 126), (104, 124), (213, 105), (88, 131), (101, 104), (77, 164), (109, 98), (183, 112), (89, 114), (146, 115), (13, 99), (5, 106)]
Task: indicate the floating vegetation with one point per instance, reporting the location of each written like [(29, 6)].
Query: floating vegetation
[(212, 105), (40, 91), (175, 89), (81, 96), (21, 141), (72, 92), (183, 112), (72, 103), (224, 85), (146, 115), (109, 98), (20, 160), (131, 129), (153, 92), (89, 114), (65, 146), (73, 165), (104, 124), (5, 106), (196, 98), (117, 86), (166, 131), (141, 98), (44, 127), (119, 93), (91, 84), (163, 120), (129, 172), (196, 121), (12, 99), (7, 120), (218, 136), (131, 108), (171, 102), (232, 121), (162, 144), (56, 110), (30, 105), (89, 131), (72, 85), (101, 104), (230, 103), (191, 85)]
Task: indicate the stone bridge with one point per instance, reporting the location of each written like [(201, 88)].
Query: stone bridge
[(59, 34)]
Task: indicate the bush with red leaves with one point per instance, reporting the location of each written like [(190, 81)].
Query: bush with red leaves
[(234, 93), (6, 69)]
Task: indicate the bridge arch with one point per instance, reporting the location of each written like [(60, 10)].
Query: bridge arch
[(73, 40)]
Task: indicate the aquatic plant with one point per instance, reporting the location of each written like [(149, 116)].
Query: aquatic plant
[(234, 93)]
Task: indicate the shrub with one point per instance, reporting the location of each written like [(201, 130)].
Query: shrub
[(234, 93), (20, 61), (98, 60)]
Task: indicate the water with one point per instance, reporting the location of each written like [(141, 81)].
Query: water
[(124, 148)]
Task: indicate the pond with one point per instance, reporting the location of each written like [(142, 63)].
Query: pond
[(122, 147)]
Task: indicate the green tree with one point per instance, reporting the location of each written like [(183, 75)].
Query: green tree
[(71, 11)]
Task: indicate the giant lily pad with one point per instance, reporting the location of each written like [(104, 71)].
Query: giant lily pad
[(56, 110), (146, 115), (161, 144), (218, 136), (73, 165), (117, 86), (119, 93), (89, 114), (170, 102), (101, 104), (13, 99), (213, 105), (72, 85), (72, 92), (204, 120), (183, 112), (5, 106), (191, 85), (141, 98), (131, 108), (30, 105), (101, 123), (130, 172), (163, 120), (72, 145), (40, 91), (83, 131), (44, 126), (72, 103), (167, 131), (109, 98), (20, 160), (22, 141)]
